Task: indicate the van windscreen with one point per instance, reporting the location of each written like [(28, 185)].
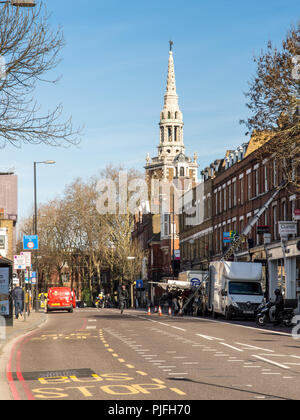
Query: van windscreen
[(245, 288)]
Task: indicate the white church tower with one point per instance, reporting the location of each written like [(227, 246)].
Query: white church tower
[(171, 161)]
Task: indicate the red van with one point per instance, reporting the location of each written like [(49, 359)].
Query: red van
[(61, 299)]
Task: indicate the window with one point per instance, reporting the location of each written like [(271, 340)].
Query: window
[(162, 134), (182, 171), (224, 198), (266, 178), (275, 222), (176, 134), (283, 210), (169, 115), (256, 182), (274, 173), (234, 193), (176, 115), (229, 197), (167, 224), (249, 186), (242, 190), (170, 134)]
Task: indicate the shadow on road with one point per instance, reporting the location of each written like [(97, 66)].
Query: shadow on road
[(230, 388)]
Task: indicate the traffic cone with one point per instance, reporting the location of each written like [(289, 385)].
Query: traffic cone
[(149, 310), (159, 311), (155, 309), (170, 310)]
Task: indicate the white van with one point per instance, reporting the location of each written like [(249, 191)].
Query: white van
[(235, 289)]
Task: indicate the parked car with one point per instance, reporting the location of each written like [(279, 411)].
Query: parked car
[(61, 299)]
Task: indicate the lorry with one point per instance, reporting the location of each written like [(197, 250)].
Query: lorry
[(235, 289)]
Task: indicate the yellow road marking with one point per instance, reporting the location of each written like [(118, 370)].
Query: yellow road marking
[(115, 355), (141, 373), (130, 366), (177, 391), (121, 360), (158, 381)]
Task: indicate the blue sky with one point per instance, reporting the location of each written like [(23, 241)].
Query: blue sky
[(114, 72)]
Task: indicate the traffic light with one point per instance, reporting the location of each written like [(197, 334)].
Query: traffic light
[(250, 243)]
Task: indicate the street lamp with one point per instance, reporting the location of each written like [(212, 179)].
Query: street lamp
[(20, 3), (131, 282), (46, 162)]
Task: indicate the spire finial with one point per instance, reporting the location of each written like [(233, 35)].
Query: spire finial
[(171, 45)]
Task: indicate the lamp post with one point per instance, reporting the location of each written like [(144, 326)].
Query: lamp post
[(46, 162), (20, 3), (131, 283)]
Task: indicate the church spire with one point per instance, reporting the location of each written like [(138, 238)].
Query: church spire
[(171, 123)]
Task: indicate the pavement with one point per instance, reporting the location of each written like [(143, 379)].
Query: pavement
[(21, 326)]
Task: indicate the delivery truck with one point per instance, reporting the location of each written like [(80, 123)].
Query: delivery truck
[(235, 289)]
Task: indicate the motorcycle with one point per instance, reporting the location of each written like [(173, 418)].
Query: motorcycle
[(265, 315), (99, 303)]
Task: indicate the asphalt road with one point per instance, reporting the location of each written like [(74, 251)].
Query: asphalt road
[(101, 355)]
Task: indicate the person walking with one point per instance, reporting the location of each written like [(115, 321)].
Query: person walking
[(18, 297), (279, 306), (123, 297)]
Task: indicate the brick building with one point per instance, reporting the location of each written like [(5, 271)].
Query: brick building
[(240, 187)]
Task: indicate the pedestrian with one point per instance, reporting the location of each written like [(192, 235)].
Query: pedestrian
[(175, 305), (279, 306), (18, 297), (123, 297)]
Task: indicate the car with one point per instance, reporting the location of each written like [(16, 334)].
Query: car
[(61, 299)]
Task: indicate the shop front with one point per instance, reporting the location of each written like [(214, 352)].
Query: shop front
[(284, 269)]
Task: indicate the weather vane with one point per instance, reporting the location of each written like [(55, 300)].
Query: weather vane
[(171, 45)]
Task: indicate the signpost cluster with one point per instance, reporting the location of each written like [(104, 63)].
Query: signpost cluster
[(23, 272)]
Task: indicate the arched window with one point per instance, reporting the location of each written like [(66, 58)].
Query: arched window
[(169, 115), (162, 134), (182, 171), (170, 134), (176, 115)]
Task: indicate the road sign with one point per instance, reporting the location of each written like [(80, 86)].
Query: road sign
[(139, 284), (27, 256), (19, 262), (287, 228), (30, 242), (195, 282)]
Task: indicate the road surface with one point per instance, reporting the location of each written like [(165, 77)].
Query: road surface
[(97, 354)]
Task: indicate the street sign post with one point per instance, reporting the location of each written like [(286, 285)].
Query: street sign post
[(30, 242), (27, 256), (287, 228), (19, 262)]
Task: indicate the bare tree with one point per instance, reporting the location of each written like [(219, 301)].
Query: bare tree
[(29, 49), (274, 102)]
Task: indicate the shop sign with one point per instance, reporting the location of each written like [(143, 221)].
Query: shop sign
[(287, 228), (297, 214), (261, 230)]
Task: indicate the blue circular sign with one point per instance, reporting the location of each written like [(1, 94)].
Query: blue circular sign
[(195, 282)]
